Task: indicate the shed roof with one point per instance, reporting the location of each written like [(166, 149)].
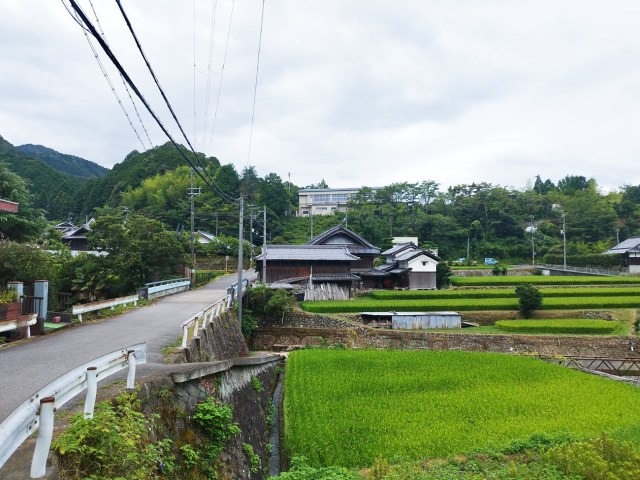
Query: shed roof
[(629, 245), (334, 253)]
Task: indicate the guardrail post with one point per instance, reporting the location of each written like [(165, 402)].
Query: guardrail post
[(92, 389), (45, 434), (195, 327), (131, 376), (185, 334), (80, 317)]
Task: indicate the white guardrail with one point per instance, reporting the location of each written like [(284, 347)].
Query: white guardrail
[(209, 313), (38, 410), (167, 287), (23, 321), (93, 306)]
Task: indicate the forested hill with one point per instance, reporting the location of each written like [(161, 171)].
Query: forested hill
[(52, 191), (69, 164), (134, 169)]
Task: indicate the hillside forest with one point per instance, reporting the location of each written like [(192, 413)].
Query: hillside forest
[(483, 219)]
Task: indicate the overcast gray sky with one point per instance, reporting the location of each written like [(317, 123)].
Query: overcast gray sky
[(358, 93)]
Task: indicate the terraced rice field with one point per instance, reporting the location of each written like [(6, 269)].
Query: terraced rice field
[(346, 407)]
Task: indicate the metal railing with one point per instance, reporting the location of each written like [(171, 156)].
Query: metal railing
[(164, 287), (207, 315), (38, 410), (93, 306), (607, 272)]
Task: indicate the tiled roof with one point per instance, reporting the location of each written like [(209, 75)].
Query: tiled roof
[(352, 239), (629, 245), (308, 252), (397, 248)]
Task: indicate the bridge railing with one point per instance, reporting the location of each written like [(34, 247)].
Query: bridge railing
[(38, 410), (611, 272), (164, 287), (93, 306), (200, 320)]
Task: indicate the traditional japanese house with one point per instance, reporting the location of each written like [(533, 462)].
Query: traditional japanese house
[(629, 252)]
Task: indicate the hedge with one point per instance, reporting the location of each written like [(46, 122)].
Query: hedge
[(567, 326)]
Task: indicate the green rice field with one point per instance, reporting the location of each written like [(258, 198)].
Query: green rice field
[(351, 407), (543, 280), (563, 326), (478, 299)]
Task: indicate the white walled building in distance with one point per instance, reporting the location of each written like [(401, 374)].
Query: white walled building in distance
[(325, 201)]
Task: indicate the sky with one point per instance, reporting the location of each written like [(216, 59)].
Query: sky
[(356, 93)]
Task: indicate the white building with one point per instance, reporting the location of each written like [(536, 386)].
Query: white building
[(324, 201)]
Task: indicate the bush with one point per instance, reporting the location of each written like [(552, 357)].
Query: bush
[(529, 299)]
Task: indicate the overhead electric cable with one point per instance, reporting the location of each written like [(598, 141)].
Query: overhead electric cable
[(212, 33), (105, 73), (157, 82), (255, 87), (224, 62), (123, 72), (195, 126), (155, 78), (133, 103)]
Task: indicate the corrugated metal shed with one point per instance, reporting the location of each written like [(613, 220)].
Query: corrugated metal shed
[(417, 320)]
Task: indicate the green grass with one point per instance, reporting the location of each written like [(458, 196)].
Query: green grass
[(349, 408), (563, 326), (542, 280)]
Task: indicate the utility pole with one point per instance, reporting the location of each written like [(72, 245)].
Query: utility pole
[(564, 238), (193, 192), (264, 246), (240, 245), (250, 239), (533, 245)]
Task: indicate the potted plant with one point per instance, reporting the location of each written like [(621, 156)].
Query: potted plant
[(9, 305)]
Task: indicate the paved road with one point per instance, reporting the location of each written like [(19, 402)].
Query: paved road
[(27, 366)]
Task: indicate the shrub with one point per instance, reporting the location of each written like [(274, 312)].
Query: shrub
[(529, 299), (116, 443)]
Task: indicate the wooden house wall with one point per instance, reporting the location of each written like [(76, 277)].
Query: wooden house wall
[(280, 269)]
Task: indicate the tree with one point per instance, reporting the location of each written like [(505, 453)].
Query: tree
[(139, 250), (29, 222), (529, 299), (443, 275)]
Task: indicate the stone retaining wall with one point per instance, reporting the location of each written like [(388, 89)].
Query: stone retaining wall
[(362, 337)]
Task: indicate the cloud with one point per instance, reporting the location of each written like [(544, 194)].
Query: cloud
[(357, 94)]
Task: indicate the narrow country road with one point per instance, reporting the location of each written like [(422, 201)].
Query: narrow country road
[(27, 366)]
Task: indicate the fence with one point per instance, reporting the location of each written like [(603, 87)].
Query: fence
[(207, 315), (92, 307), (38, 410), (606, 272), (164, 287)]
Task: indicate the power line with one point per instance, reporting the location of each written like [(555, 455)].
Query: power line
[(105, 74), (255, 87), (126, 88), (212, 33), (224, 62), (125, 75)]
